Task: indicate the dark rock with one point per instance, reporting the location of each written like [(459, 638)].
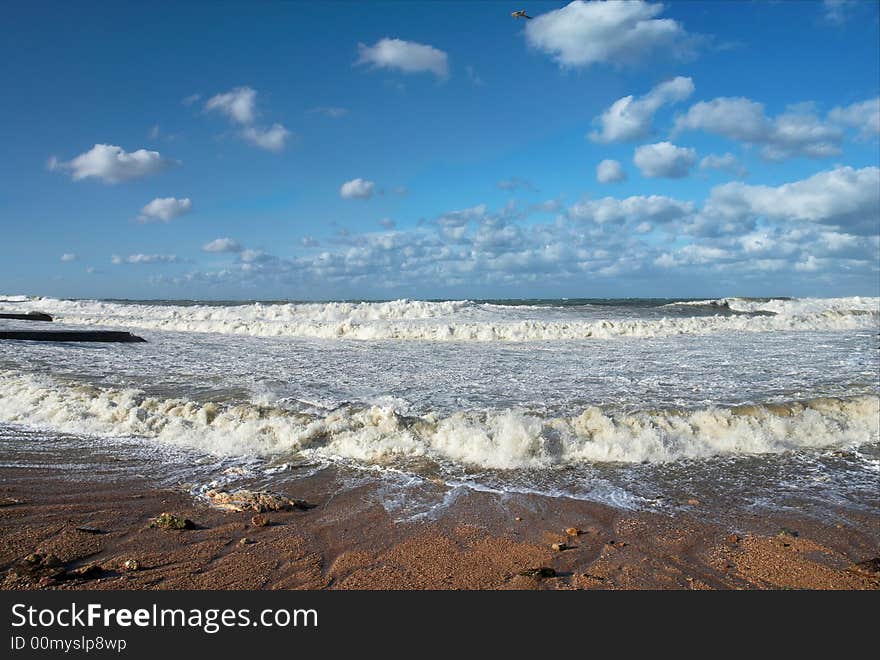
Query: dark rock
[(71, 335), (90, 530), (540, 573), (30, 316)]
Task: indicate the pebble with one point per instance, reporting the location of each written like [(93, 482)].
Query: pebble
[(559, 547), (572, 531), (260, 520), (131, 565)]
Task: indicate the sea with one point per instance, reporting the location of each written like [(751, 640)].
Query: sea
[(751, 403)]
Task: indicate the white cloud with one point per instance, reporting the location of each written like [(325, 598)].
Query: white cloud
[(664, 159), (112, 164), (192, 98), (165, 209), (222, 245), (843, 197), (610, 171), (796, 132), (357, 189), (272, 139), (239, 105), (68, 256), (404, 56), (585, 33), (309, 242), (630, 119), (864, 117), (387, 223), (631, 210), (145, 259), (726, 163)]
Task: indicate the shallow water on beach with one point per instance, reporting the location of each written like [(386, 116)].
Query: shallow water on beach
[(634, 403)]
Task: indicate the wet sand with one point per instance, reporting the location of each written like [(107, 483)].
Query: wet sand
[(349, 541)]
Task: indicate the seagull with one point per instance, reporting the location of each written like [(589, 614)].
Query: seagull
[(521, 14)]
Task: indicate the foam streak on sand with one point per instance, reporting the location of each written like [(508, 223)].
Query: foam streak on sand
[(497, 440), (461, 320)]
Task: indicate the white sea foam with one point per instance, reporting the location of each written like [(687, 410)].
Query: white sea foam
[(454, 320), (503, 439)]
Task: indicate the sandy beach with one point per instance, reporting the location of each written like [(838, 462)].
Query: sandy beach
[(58, 533)]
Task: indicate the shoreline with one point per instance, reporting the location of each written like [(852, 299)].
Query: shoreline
[(347, 541)]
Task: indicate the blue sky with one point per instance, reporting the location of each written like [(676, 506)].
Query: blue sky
[(443, 149)]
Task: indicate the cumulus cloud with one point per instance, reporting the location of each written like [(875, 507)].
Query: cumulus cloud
[(357, 189), (585, 33), (629, 118), (863, 116), (222, 245), (145, 259), (404, 56), (796, 132), (726, 163), (68, 256), (610, 171), (165, 209), (843, 197), (664, 159), (239, 105), (272, 138), (112, 164), (631, 210)]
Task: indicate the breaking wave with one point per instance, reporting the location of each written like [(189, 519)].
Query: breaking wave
[(506, 439), (456, 320)]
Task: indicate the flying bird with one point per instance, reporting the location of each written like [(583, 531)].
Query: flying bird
[(521, 14)]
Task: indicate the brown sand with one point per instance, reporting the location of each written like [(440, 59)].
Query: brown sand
[(346, 542)]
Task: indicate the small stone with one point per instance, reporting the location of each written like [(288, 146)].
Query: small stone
[(572, 531), (9, 501), (131, 565), (245, 541), (558, 547), (259, 501), (260, 520), (518, 519), (540, 573), (34, 558), (733, 539), (693, 502), (171, 521)]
